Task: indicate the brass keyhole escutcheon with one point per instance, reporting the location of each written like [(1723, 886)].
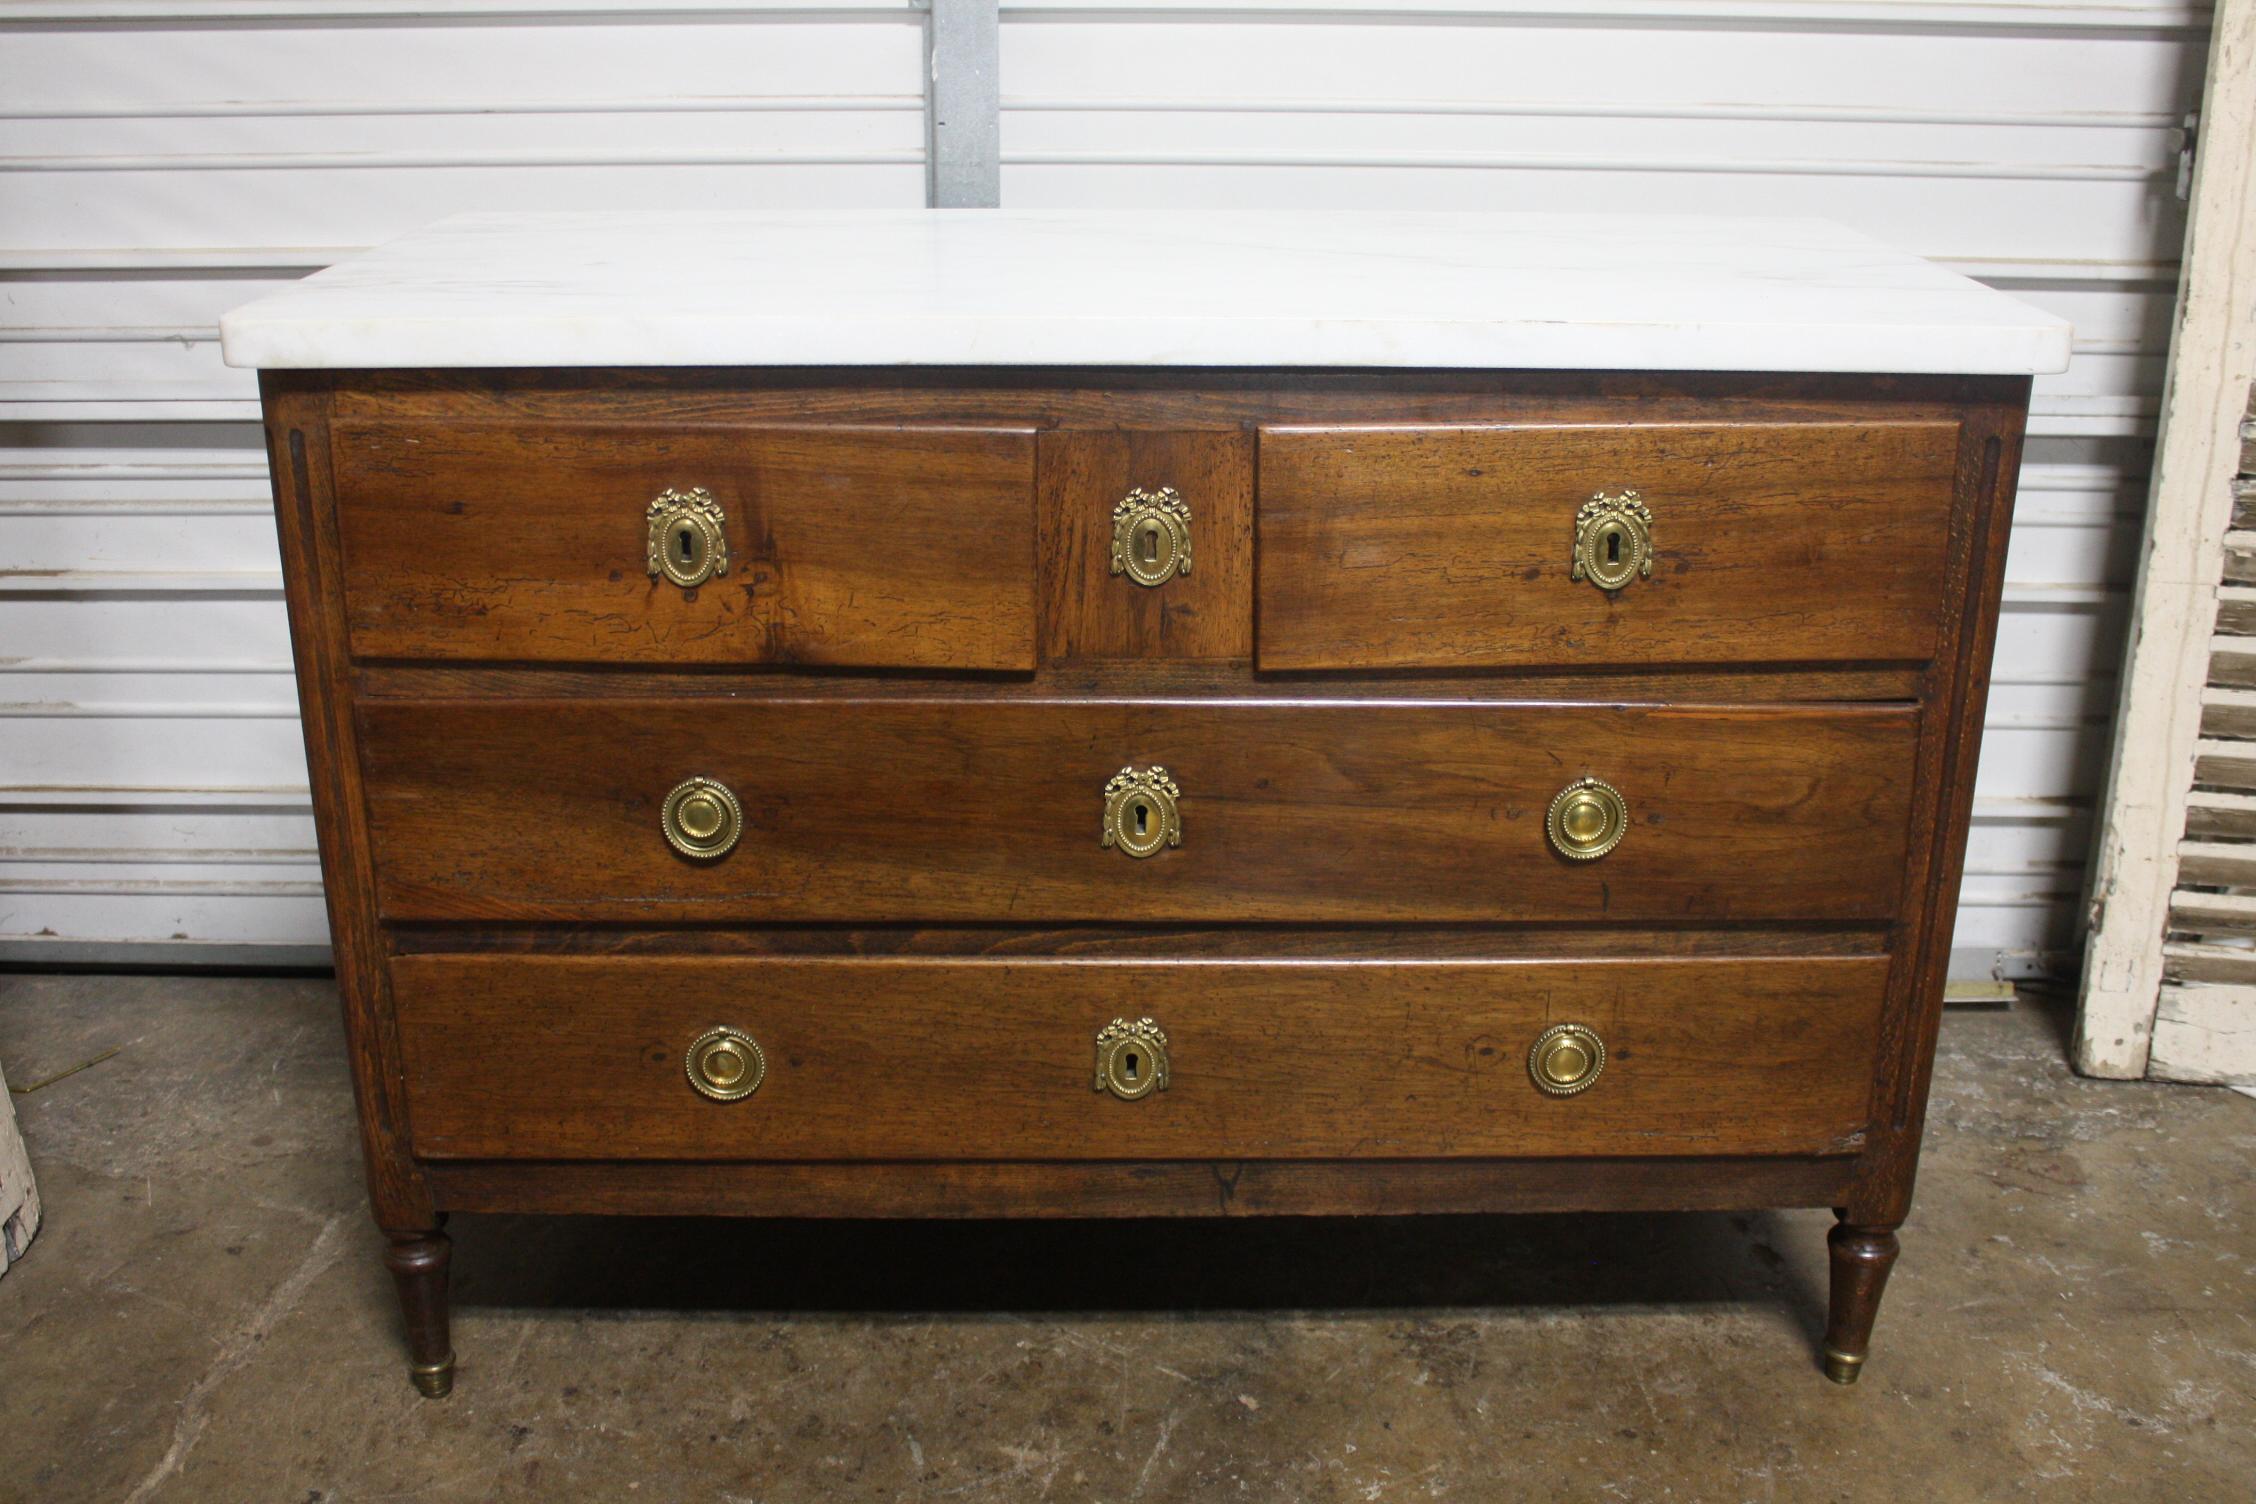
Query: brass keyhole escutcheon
[(1586, 820), (1131, 1058), (1566, 1059), (688, 543), (701, 818), (1613, 540), (1140, 813), (1151, 536), (726, 1064)]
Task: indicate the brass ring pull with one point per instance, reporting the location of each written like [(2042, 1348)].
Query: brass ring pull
[(726, 1064), (687, 543), (1566, 1059), (1586, 820), (1613, 540), (701, 818), (1151, 536), (1140, 815), (1131, 1058)]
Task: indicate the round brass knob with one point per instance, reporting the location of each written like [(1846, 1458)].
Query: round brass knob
[(702, 818), (726, 1064), (1566, 1059), (1587, 820)]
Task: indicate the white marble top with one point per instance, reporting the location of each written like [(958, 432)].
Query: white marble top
[(986, 287)]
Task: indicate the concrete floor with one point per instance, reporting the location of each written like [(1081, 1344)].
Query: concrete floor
[(204, 1317)]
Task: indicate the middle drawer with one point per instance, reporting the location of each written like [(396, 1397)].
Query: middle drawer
[(908, 811)]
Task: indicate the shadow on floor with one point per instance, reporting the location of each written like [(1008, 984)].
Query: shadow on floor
[(856, 1268)]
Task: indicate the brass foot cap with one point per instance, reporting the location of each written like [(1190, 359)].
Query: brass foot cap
[(1842, 1368), (434, 1380)]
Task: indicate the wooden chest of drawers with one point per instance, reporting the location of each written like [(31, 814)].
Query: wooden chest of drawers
[(1040, 791)]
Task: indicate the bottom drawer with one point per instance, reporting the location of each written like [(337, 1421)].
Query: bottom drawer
[(515, 1057)]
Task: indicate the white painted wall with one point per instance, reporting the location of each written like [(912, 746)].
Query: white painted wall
[(160, 162)]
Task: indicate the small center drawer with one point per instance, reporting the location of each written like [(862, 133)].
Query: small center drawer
[(1469, 547), (1022, 811), (594, 1058), (859, 547)]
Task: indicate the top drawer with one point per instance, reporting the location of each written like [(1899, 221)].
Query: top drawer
[(871, 547), (1455, 547)]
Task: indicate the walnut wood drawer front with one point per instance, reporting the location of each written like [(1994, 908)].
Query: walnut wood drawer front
[(901, 811), (859, 547), (587, 1058), (1456, 547)]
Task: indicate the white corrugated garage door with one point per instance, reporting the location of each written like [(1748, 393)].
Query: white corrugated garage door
[(160, 162)]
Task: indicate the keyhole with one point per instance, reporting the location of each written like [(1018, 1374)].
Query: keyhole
[(1149, 540), (688, 545), (1143, 819), (1613, 548), (1128, 1063)]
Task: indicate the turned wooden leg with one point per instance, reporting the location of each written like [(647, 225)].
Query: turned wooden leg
[(418, 1261), (1861, 1258)]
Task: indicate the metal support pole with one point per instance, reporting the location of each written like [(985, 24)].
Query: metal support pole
[(962, 105)]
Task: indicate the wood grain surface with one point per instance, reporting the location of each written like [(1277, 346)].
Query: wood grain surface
[(901, 810), (1152, 398), (919, 673), (1449, 547), (1137, 1188), (1154, 678), (1950, 745), (564, 1058), (312, 581), (1091, 613), (848, 546), (1147, 942)]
